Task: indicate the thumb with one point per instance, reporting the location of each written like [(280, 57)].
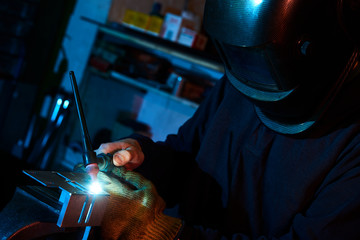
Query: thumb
[(130, 158), (126, 152), (122, 157)]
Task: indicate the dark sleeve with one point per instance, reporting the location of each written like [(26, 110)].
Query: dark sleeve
[(334, 212)]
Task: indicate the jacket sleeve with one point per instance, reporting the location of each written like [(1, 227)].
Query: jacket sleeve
[(333, 214)]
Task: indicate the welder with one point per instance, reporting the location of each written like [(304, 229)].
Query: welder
[(273, 152)]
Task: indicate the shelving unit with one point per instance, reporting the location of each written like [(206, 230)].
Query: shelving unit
[(164, 48), (199, 64), (109, 94), (135, 83), (179, 55)]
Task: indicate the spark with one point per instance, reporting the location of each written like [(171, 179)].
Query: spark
[(95, 187)]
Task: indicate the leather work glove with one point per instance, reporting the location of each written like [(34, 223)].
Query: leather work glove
[(134, 214)]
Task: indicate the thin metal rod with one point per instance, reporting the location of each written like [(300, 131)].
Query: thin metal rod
[(88, 152), (86, 233)]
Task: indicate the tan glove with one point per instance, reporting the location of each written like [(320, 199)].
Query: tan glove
[(135, 214)]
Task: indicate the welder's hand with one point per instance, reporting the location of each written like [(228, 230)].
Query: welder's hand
[(126, 152), (135, 214)]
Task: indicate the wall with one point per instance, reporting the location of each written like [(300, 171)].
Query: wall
[(80, 36), (164, 115)]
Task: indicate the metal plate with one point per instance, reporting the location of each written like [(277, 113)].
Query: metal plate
[(72, 182), (80, 207)]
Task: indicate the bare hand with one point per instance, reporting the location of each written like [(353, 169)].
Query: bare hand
[(126, 152)]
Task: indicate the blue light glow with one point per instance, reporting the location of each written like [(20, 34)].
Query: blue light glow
[(257, 2), (56, 109), (66, 104), (95, 187), (59, 121)]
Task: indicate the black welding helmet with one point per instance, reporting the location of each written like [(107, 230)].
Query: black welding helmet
[(287, 56)]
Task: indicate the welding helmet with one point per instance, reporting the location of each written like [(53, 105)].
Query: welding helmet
[(289, 57)]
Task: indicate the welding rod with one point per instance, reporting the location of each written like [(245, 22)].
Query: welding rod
[(89, 156)]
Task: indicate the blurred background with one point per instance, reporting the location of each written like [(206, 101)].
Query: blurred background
[(142, 66)]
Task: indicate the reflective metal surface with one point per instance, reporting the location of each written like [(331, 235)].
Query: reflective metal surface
[(248, 23), (80, 207)]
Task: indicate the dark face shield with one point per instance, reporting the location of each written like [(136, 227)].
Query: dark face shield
[(256, 71), (289, 57), (253, 38)]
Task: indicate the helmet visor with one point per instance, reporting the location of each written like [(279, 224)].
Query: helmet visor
[(254, 66), (255, 71)]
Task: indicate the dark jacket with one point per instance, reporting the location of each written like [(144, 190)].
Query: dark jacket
[(231, 177)]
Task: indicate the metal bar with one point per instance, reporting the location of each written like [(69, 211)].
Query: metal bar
[(86, 233), (82, 214), (90, 209)]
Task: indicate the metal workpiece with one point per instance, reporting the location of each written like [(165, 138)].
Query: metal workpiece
[(80, 206)]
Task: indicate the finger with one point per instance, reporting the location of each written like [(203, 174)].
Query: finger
[(130, 158), (111, 147), (136, 158), (122, 157)]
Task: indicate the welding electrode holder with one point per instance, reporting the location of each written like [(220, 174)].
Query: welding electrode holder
[(89, 155), (104, 162)]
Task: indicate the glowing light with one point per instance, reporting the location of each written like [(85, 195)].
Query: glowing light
[(56, 109), (95, 187), (257, 2), (59, 121), (66, 104)]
